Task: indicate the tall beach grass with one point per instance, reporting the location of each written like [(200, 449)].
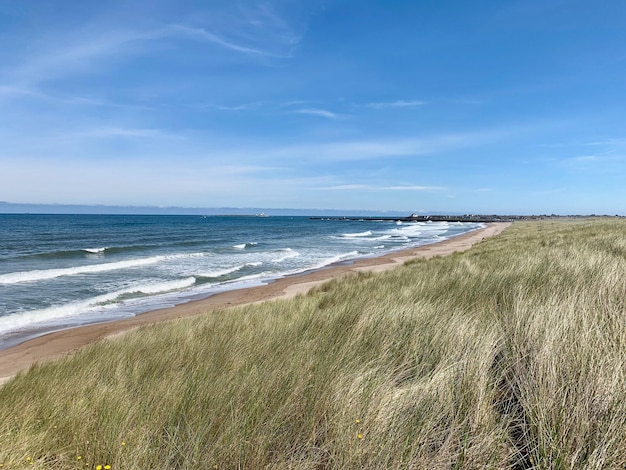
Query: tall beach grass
[(510, 355)]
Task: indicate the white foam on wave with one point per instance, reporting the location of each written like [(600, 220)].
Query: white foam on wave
[(419, 229), (234, 269), (288, 254), (357, 235), (243, 246), (95, 250), (52, 315), (45, 274), (335, 259), (382, 237)]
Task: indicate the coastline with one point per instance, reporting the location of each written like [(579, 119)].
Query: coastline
[(61, 343)]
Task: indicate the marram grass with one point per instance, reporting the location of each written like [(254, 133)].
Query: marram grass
[(510, 355)]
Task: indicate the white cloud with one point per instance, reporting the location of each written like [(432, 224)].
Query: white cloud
[(79, 52), (397, 104), (359, 150), (241, 107), (106, 132), (413, 188), (343, 187), (365, 187), (317, 112), (205, 35)]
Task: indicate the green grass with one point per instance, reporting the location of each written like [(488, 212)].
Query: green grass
[(510, 355)]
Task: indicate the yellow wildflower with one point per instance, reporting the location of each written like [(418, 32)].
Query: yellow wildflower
[(98, 467), (359, 435), (78, 457), (107, 467), (357, 421)]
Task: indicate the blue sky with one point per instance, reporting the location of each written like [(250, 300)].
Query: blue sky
[(417, 105)]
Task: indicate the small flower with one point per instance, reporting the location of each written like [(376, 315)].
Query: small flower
[(359, 435), (123, 443), (357, 421), (98, 467), (107, 467), (78, 457), (28, 459)]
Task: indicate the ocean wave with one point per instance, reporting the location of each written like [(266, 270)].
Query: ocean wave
[(382, 237), (288, 254), (243, 246), (51, 315), (357, 235), (95, 250), (46, 274), (82, 252), (226, 271), (335, 259), (143, 290)]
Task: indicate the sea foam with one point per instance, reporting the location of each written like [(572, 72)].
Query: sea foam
[(45, 274), (51, 315)]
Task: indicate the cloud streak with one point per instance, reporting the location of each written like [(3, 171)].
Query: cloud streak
[(397, 104), (365, 187), (317, 112), (205, 35), (373, 149)]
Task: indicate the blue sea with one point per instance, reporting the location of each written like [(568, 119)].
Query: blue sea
[(60, 271)]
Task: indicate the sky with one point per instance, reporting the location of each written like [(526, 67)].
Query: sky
[(488, 106)]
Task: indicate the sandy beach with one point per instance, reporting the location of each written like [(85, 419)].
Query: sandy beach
[(61, 343)]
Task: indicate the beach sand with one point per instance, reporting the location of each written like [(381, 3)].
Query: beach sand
[(61, 343)]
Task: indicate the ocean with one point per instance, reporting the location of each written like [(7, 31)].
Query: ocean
[(61, 271)]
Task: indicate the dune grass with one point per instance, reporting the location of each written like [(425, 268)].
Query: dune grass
[(510, 355)]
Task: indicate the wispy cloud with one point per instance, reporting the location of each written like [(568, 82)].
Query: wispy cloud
[(81, 52), (372, 149), (241, 107), (205, 35), (342, 187), (365, 187), (397, 104), (413, 188), (609, 163), (317, 112), (607, 143), (253, 32), (9, 91), (290, 103)]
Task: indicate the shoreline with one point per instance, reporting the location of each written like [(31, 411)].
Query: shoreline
[(60, 343)]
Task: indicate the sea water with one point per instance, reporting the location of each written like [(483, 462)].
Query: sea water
[(60, 271)]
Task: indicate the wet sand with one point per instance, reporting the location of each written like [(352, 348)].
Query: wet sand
[(58, 344)]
